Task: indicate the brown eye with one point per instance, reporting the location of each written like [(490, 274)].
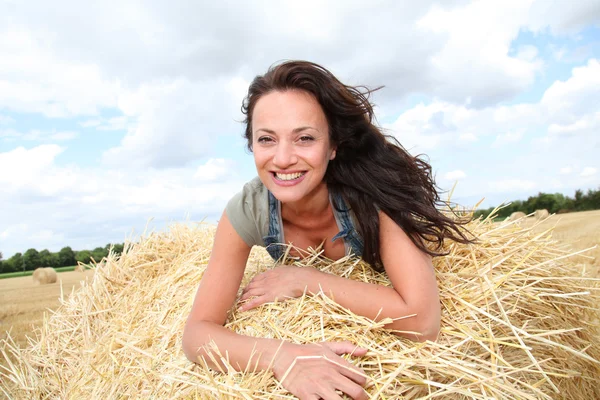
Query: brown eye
[(264, 139), (306, 138)]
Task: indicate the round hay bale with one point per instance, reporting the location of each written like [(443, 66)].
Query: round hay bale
[(516, 215), (79, 268), (43, 276), (541, 214), (51, 275), (39, 276), (519, 320)]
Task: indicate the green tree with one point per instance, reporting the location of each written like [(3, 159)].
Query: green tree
[(13, 264), (99, 253), (546, 201), (66, 257), (117, 248), (83, 256), (31, 259), (45, 258)]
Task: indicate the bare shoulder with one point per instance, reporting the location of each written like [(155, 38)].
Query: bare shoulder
[(223, 275), (407, 266)]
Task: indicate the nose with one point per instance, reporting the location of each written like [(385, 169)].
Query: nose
[(284, 155)]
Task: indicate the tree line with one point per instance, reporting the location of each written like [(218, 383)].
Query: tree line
[(556, 203), (66, 257)]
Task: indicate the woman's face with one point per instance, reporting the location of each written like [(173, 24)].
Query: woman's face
[(290, 140)]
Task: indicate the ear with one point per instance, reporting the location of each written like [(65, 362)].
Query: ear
[(332, 155)]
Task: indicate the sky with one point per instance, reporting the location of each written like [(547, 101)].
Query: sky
[(122, 116)]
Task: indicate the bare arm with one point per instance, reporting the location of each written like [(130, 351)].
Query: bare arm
[(317, 376), (215, 296), (414, 287)]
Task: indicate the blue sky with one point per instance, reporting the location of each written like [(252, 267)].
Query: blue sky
[(114, 114)]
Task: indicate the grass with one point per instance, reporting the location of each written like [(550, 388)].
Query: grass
[(7, 275)]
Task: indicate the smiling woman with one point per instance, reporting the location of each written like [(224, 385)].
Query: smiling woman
[(327, 177)]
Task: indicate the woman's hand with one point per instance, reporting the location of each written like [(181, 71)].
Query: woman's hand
[(276, 284), (316, 371)]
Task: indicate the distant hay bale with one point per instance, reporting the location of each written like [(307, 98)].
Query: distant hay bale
[(79, 268), (519, 320), (39, 275), (43, 276), (51, 275), (541, 214), (516, 215)]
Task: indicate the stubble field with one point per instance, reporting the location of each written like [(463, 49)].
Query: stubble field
[(23, 303)]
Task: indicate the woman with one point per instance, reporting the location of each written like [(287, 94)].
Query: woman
[(326, 175)]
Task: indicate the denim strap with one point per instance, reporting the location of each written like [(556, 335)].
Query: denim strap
[(274, 239)]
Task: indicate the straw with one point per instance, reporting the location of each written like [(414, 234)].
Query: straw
[(519, 320)]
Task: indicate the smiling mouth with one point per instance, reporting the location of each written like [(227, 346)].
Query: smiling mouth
[(288, 177)]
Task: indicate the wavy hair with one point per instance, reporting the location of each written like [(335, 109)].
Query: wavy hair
[(371, 170)]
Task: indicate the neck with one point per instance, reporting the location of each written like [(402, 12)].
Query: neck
[(315, 203)]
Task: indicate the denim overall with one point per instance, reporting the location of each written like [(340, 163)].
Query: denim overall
[(274, 239)]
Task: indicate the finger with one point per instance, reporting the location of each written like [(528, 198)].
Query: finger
[(252, 292), (253, 303), (329, 395), (353, 390), (345, 347), (349, 370)]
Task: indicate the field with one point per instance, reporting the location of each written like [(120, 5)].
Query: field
[(23, 304)]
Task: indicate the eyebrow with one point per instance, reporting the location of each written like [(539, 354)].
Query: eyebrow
[(296, 130)]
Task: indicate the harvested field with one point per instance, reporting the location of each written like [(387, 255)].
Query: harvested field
[(580, 230), (23, 303)]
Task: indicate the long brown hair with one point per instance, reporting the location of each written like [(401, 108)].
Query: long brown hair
[(371, 170)]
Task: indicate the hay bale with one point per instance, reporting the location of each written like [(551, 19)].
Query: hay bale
[(516, 215), (39, 276), (519, 320), (79, 268), (51, 275), (541, 214), (43, 276)]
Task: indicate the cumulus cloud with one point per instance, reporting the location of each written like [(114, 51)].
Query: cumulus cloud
[(37, 135), (511, 185), (588, 171), (90, 205), (175, 123), (172, 77), (455, 175), (215, 169), (566, 170), (507, 138)]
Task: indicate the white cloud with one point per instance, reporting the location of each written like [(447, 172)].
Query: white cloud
[(215, 169), (6, 120), (173, 79), (52, 206), (588, 171), (507, 138), (467, 137), (34, 79), (21, 168), (455, 175), (108, 124), (175, 123), (479, 66), (37, 135), (566, 170), (511, 185), (562, 18)]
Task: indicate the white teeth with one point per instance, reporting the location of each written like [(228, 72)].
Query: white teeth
[(289, 177)]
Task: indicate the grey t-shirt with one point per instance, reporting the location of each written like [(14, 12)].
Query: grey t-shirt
[(248, 212)]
